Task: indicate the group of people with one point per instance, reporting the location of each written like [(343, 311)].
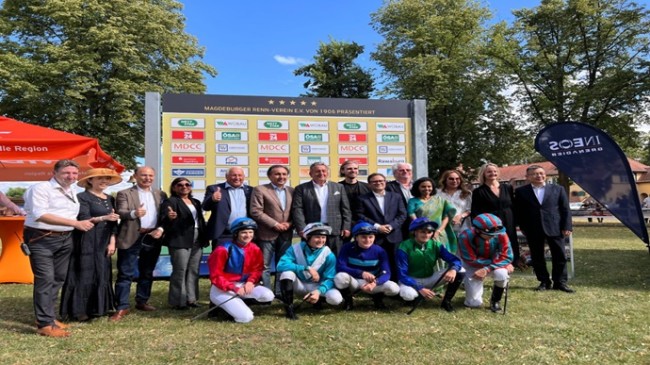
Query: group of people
[(400, 238)]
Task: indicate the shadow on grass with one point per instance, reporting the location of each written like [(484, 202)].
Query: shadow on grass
[(17, 313)]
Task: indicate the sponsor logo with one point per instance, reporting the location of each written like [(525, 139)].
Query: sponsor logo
[(188, 172), (232, 160), (397, 127), (222, 171), (273, 148), (362, 160), (352, 126), (308, 160), (231, 136), (313, 137), (188, 123), (188, 160), (313, 125), (188, 147), (266, 136), (231, 123), (273, 160), (390, 160), (317, 149), (394, 150), (231, 148), (273, 124), (188, 135), (353, 137), (569, 144), (391, 138), (353, 149)]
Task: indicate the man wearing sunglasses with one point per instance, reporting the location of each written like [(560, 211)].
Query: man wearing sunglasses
[(485, 251)]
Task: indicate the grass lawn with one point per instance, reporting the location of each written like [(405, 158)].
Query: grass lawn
[(605, 322)]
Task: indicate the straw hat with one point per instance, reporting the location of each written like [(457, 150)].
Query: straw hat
[(115, 177)]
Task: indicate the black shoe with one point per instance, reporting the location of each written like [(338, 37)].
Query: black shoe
[(290, 312), (378, 301), (564, 288), (544, 286), (495, 307), (446, 305)]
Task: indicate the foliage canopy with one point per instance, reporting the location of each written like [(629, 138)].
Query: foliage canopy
[(83, 66)]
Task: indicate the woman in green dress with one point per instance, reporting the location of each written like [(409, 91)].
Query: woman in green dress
[(426, 203)]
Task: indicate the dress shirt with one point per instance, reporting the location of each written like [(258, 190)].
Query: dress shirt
[(237, 202), (380, 201), (148, 221), (406, 191), (321, 194), (50, 197), (281, 192), (539, 192)]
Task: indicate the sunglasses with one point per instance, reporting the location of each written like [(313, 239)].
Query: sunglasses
[(184, 185)]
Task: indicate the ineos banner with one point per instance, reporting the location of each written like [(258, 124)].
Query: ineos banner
[(595, 162)]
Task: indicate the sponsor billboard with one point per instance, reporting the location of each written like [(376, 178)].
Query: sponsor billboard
[(204, 135)]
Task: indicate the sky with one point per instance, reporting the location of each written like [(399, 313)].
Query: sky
[(255, 45)]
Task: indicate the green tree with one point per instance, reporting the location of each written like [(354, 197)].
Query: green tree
[(83, 66), (436, 50), (580, 60), (334, 74)]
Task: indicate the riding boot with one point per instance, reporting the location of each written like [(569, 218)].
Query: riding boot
[(497, 293), (348, 302), (286, 290), (450, 292), (378, 301)]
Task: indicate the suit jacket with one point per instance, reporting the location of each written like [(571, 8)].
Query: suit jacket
[(267, 211), (128, 200), (395, 187), (220, 211), (306, 208), (549, 218), (179, 233), (394, 213)]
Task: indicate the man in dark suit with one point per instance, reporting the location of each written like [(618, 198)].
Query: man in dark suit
[(271, 209), (322, 201), (226, 202), (385, 210), (137, 241), (403, 173), (542, 212)]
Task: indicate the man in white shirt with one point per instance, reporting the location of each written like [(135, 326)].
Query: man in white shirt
[(52, 209), (138, 244)]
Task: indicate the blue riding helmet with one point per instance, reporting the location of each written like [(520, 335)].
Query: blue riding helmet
[(422, 223), (363, 228), (240, 224)]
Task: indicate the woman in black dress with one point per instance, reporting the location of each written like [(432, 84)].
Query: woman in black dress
[(88, 291), (496, 198)]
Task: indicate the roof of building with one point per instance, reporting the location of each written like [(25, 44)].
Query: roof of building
[(518, 172)]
